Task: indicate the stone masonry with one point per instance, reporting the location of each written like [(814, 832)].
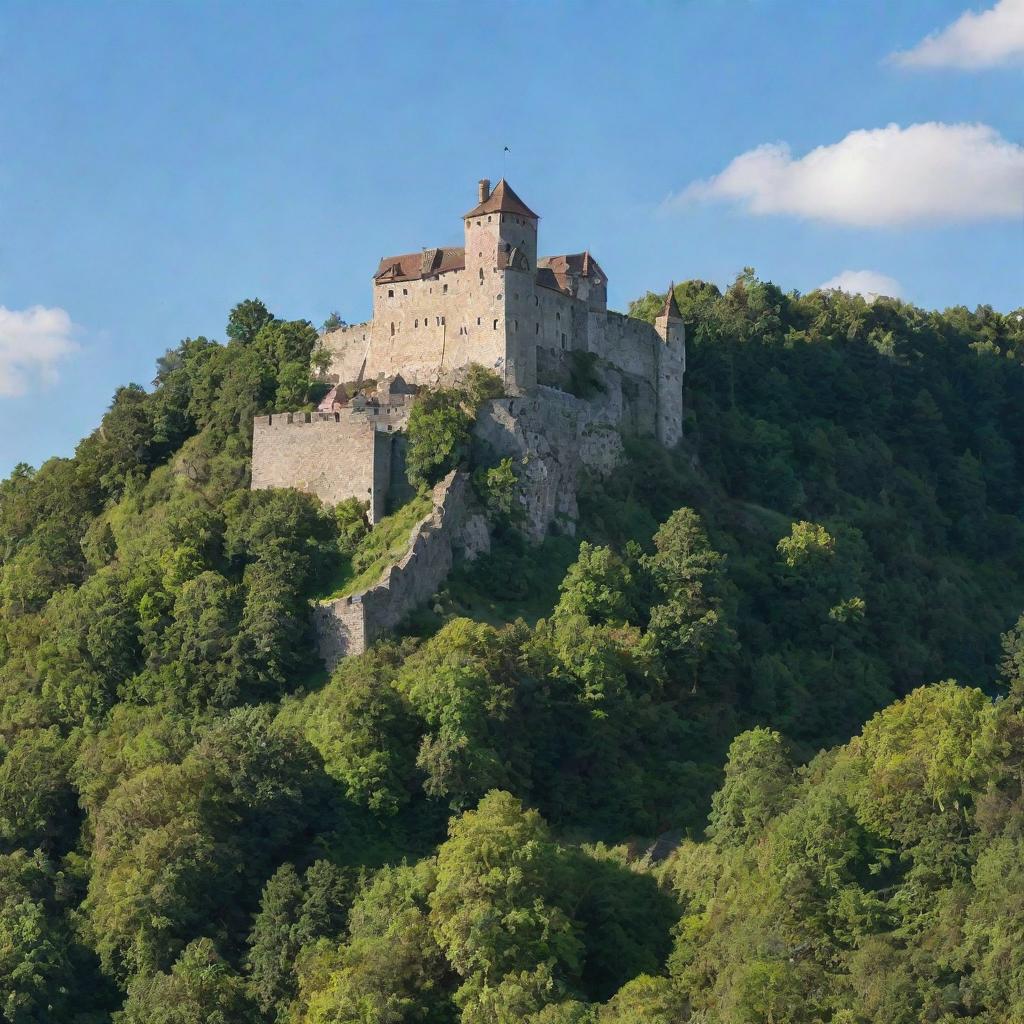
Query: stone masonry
[(347, 625), (493, 301)]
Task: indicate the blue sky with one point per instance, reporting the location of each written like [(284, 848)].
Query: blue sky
[(161, 161)]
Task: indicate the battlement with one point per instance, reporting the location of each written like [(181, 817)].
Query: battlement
[(298, 419)]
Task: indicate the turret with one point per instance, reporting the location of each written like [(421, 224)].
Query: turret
[(671, 367)]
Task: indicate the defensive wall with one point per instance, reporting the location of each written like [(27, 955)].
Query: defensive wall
[(334, 455), (348, 625)]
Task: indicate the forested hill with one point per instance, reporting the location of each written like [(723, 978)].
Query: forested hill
[(748, 748)]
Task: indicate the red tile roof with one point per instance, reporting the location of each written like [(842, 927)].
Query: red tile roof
[(412, 266), (557, 272), (502, 200)]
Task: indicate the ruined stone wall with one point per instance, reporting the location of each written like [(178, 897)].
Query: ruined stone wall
[(332, 455), (347, 625)]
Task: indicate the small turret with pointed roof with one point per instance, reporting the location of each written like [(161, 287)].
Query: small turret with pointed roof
[(671, 366), (670, 310)]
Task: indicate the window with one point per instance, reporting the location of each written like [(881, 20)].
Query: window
[(444, 290), (563, 339), (537, 331), (536, 301), (481, 275), (416, 323), (391, 293), (515, 325), (405, 291), (392, 328), (495, 324), (558, 316), (478, 321), (488, 219)]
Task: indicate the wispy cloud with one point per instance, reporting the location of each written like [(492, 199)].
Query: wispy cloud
[(983, 39), (33, 341), (878, 177), (868, 283)]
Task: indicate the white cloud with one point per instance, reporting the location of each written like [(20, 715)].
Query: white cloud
[(868, 283), (878, 177), (32, 343), (985, 39)]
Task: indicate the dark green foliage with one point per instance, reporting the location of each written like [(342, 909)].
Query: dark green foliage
[(584, 381), (438, 433), (199, 989), (294, 913), (246, 320), (440, 423), (193, 820)]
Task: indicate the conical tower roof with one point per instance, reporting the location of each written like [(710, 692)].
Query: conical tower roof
[(671, 307)]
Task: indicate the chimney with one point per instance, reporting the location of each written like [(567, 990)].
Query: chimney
[(483, 190)]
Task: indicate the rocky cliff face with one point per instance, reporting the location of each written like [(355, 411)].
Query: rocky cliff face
[(553, 438)]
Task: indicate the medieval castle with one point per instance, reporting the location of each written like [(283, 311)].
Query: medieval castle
[(531, 320)]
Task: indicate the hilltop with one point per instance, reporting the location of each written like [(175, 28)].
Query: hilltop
[(738, 740)]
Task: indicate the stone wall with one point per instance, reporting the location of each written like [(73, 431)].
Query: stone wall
[(347, 625), (334, 455), (552, 438)]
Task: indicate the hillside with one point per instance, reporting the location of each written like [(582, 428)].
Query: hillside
[(746, 748)]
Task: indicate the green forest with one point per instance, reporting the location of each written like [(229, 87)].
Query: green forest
[(746, 749)]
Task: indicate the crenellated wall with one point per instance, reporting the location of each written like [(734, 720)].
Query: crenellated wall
[(334, 455)]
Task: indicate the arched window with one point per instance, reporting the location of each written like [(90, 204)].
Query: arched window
[(415, 323)]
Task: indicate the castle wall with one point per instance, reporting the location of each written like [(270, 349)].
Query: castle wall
[(332, 455), (625, 342), (347, 625), (423, 328), (349, 347)]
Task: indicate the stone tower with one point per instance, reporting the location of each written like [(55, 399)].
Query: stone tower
[(501, 232), (501, 263), (671, 365)]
